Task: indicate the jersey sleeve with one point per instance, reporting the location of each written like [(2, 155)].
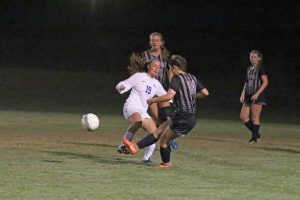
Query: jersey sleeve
[(262, 71), (160, 90), (200, 86), (175, 84), (128, 83)]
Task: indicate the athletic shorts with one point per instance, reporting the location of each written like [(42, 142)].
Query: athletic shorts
[(182, 124), (261, 100), (128, 110)]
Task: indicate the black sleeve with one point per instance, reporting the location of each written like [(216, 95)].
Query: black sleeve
[(200, 86), (175, 83), (246, 73), (262, 71)]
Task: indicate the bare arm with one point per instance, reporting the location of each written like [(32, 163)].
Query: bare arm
[(203, 93), (242, 97), (168, 96)]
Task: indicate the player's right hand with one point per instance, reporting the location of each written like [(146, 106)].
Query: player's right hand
[(121, 88)]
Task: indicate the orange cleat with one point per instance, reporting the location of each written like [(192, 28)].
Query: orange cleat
[(132, 147), (165, 165)]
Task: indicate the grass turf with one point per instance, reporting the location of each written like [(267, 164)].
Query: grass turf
[(49, 156)]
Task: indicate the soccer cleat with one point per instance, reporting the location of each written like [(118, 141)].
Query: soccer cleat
[(254, 138), (132, 147), (165, 165), (173, 144), (148, 161), (122, 148)]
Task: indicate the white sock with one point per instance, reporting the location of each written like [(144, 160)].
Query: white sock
[(148, 151), (128, 135)]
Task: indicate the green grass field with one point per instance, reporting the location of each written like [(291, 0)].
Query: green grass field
[(49, 156)]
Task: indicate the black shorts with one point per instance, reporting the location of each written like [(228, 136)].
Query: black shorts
[(182, 124), (261, 100)]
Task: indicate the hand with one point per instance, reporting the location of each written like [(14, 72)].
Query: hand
[(121, 88), (254, 97), (149, 101), (242, 99)]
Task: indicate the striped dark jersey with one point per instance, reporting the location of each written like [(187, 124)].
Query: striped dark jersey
[(186, 87), (253, 79), (162, 74)]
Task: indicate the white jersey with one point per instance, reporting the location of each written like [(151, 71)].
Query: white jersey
[(142, 87)]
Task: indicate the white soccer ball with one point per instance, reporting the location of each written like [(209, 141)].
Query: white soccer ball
[(90, 122)]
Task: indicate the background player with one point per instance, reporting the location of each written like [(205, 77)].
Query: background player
[(163, 110), (253, 96)]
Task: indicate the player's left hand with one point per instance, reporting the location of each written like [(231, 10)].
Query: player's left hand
[(254, 97)]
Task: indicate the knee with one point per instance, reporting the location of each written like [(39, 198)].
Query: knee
[(164, 144), (244, 118), (255, 119)]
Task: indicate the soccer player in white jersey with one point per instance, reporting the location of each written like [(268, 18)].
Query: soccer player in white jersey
[(143, 86)]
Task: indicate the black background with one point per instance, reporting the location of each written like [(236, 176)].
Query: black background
[(214, 36)]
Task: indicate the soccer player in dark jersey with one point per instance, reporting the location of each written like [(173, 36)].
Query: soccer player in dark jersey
[(184, 89), (253, 96)]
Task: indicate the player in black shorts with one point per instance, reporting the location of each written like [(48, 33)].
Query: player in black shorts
[(184, 89), (253, 96)]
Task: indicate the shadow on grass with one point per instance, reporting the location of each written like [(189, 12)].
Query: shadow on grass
[(229, 140), (91, 144), (293, 151), (98, 159)]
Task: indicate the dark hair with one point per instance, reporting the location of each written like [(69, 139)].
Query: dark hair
[(178, 61)]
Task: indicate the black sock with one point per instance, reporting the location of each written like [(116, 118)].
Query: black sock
[(165, 154), (147, 141), (255, 130), (249, 125)]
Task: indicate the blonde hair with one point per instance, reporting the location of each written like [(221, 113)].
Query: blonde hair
[(158, 34), (164, 51)]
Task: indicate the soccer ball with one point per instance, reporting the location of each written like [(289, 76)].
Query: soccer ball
[(90, 122)]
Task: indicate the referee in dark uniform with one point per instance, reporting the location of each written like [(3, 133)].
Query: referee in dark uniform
[(184, 89), (253, 96)]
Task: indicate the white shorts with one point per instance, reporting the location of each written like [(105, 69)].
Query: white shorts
[(129, 110)]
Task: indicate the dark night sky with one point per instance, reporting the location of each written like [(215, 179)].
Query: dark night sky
[(71, 34), (215, 36)]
